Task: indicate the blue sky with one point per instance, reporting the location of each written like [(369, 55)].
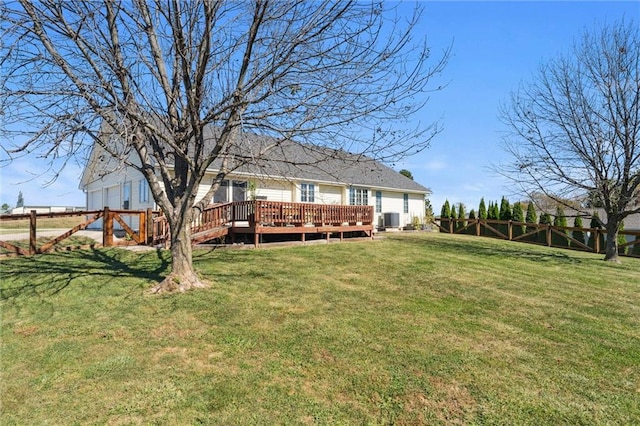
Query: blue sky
[(496, 45)]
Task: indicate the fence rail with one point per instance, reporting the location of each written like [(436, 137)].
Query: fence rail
[(546, 234), (108, 216)]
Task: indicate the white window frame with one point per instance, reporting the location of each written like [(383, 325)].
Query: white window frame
[(143, 191), (378, 201), (405, 202), (126, 196), (307, 192), (358, 196)]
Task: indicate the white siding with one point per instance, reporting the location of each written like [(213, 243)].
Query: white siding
[(416, 207), (111, 197), (274, 191), (393, 202), (329, 194)]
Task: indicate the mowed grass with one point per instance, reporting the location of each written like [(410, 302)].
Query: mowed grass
[(10, 226), (411, 329)]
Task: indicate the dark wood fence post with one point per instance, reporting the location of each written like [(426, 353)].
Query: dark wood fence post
[(32, 232), (149, 225), (107, 228)]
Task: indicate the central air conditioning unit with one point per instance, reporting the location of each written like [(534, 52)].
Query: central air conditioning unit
[(391, 220)]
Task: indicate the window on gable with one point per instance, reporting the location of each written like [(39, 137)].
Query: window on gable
[(307, 193), (358, 196)]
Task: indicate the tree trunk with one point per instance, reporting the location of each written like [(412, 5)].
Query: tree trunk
[(182, 277), (611, 251)]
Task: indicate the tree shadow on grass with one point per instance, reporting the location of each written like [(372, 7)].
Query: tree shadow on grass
[(485, 247), (49, 274)]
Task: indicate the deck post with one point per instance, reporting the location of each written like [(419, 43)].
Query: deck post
[(32, 232), (328, 235), (304, 236), (256, 237), (107, 228)]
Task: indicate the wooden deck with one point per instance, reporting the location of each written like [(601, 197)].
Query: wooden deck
[(254, 219)]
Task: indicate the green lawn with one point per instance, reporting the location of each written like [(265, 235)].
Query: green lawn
[(411, 329)]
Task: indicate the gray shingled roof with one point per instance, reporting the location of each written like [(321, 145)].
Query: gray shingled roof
[(293, 160)]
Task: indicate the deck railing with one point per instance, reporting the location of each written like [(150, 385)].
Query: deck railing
[(258, 213), (276, 213)]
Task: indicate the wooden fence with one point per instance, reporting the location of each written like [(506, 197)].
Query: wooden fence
[(535, 233), (141, 236)]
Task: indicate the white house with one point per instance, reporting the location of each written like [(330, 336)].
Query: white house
[(293, 172)]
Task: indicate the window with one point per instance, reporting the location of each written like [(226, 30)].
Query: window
[(239, 190), (307, 193), (378, 201), (358, 196), (406, 203), (126, 195), (143, 191), (222, 194)]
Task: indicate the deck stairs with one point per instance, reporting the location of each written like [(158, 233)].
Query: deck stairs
[(209, 234)]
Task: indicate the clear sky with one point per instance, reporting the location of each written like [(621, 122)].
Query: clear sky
[(496, 45)]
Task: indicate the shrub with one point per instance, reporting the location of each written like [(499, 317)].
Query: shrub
[(622, 240), (545, 219), (561, 221), (461, 215), (472, 229), (482, 210), (578, 235), (532, 217), (518, 216), (445, 213)]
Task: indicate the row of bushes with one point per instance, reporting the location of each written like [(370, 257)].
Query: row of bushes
[(506, 211)]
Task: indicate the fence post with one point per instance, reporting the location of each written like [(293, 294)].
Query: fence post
[(477, 227), (597, 241), (149, 225), (32, 232), (142, 226), (107, 228), (548, 234), (510, 230)]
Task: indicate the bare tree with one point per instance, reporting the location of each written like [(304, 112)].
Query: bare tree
[(160, 75), (574, 129)]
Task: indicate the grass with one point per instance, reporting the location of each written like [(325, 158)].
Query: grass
[(10, 226), (412, 329), (69, 243)]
